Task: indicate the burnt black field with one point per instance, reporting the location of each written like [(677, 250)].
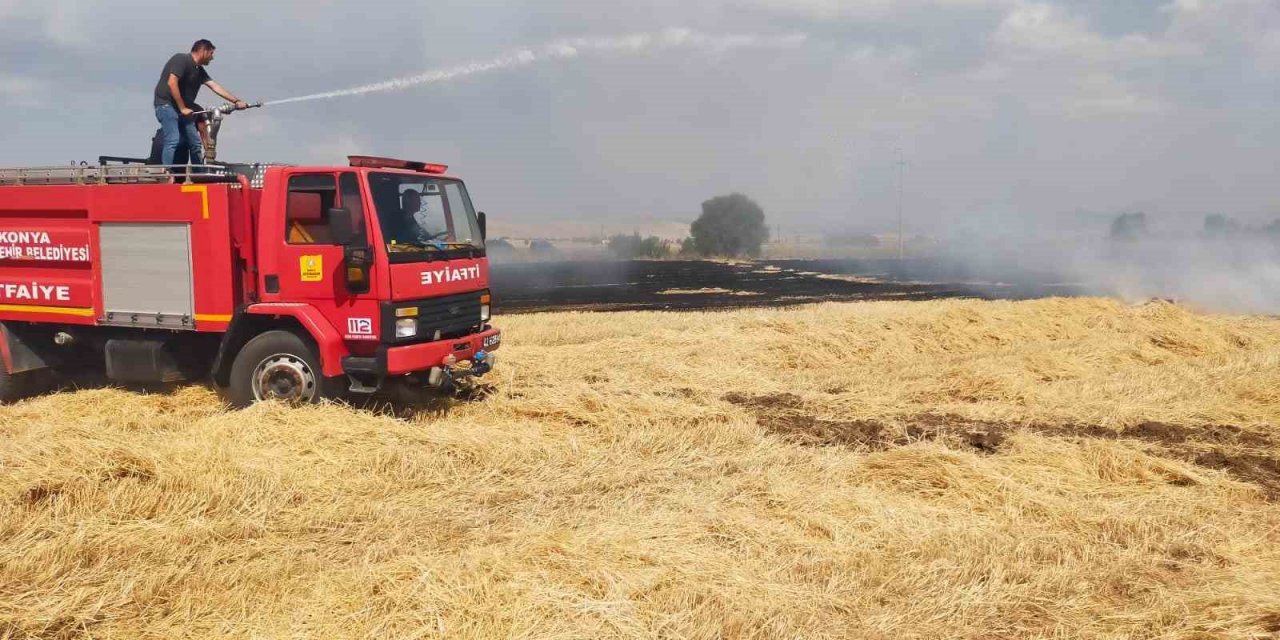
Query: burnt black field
[(678, 285)]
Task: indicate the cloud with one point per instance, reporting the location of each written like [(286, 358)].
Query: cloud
[(1242, 31), (59, 22), (334, 148), (21, 91), (1103, 94), (867, 10), (1038, 30)]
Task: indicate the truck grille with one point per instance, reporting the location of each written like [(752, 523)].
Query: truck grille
[(452, 316)]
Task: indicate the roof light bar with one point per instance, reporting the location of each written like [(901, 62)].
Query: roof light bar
[(376, 162)]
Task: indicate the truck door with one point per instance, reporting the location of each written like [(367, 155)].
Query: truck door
[(310, 267)]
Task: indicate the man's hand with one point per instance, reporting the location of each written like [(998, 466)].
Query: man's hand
[(227, 95), (186, 112)]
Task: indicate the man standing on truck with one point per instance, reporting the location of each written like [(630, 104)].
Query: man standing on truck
[(183, 153), (180, 81)]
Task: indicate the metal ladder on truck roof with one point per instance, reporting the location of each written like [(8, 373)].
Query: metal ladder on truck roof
[(128, 173)]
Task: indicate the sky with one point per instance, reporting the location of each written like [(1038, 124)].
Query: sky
[(1000, 109)]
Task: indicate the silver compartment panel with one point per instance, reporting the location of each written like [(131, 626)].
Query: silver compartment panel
[(146, 275)]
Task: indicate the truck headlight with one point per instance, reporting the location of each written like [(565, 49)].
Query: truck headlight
[(484, 307), (406, 327)]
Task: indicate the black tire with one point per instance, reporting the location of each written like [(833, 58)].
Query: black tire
[(278, 365)]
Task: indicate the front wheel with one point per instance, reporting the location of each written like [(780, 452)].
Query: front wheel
[(277, 365)]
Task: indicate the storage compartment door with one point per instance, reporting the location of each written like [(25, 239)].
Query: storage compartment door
[(146, 275)]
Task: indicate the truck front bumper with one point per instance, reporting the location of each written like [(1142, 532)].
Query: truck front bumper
[(428, 356)]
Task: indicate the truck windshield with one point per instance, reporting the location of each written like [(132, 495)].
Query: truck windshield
[(421, 213)]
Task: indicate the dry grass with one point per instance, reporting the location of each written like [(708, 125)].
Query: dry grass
[(608, 489)]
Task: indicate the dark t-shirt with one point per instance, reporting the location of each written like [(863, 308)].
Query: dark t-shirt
[(191, 77)]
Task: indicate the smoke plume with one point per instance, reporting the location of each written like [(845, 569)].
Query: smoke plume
[(1234, 270)]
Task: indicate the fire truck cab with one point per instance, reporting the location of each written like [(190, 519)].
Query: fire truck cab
[(278, 282)]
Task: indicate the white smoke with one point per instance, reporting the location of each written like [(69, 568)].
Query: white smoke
[(1236, 271), (638, 43)]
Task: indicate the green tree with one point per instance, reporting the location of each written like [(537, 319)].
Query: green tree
[(1219, 226), (1272, 229), (731, 226)]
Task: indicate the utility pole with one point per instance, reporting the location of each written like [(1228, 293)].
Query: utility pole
[(901, 164)]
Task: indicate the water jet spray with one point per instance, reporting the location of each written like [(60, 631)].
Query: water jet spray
[(634, 44), (638, 43)]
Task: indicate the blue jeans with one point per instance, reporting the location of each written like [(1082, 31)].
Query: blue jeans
[(175, 127)]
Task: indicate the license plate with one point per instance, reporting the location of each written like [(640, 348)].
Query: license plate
[(492, 341)]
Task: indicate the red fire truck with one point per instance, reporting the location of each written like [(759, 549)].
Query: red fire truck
[(280, 282)]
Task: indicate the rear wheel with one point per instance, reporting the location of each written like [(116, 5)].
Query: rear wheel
[(277, 365)]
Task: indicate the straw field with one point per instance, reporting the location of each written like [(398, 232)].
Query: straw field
[(951, 469)]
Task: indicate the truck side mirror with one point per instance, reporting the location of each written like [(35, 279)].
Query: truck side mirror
[(340, 226), (480, 218), (356, 262)]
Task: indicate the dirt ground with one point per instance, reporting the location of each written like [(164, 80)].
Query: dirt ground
[(1244, 454)]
